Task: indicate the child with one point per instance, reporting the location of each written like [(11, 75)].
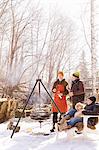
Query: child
[(73, 117), (70, 118)]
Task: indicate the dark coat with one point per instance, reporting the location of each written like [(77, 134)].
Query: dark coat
[(92, 109), (77, 88), (64, 83)]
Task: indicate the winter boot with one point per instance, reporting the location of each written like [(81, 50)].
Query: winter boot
[(91, 127), (53, 129), (79, 126), (64, 119), (63, 127)]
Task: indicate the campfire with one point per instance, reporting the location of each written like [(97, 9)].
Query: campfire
[(41, 113)]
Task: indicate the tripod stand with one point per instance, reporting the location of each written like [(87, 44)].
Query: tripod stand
[(40, 82)]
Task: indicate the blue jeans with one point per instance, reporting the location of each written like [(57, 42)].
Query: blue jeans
[(71, 113), (73, 121)]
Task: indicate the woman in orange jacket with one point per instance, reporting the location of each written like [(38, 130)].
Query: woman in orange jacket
[(60, 91)]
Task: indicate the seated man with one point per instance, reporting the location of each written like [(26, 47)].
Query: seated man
[(73, 117)]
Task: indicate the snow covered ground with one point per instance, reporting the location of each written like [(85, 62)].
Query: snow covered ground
[(26, 141)]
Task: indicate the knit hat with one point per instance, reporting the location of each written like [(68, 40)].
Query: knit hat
[(76, 74), (61, 72), (92, 98)]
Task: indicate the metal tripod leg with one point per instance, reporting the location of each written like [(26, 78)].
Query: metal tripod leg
[(24, 108), (50, 97)]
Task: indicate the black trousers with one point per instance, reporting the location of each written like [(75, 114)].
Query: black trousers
[(55, 118)]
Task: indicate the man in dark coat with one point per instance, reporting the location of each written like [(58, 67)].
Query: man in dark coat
[(77, 90)]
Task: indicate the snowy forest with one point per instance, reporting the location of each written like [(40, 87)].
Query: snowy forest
[(34, 45)]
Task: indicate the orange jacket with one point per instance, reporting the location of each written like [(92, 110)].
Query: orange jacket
[(60, 101)]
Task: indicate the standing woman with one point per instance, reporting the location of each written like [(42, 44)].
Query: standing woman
[(60, 91)]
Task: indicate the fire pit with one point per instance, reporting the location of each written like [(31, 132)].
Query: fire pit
[(41, 114)]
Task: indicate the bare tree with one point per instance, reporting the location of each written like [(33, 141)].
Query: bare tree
[(93, 47), (91, 39), (14, 27), (36, 47)]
